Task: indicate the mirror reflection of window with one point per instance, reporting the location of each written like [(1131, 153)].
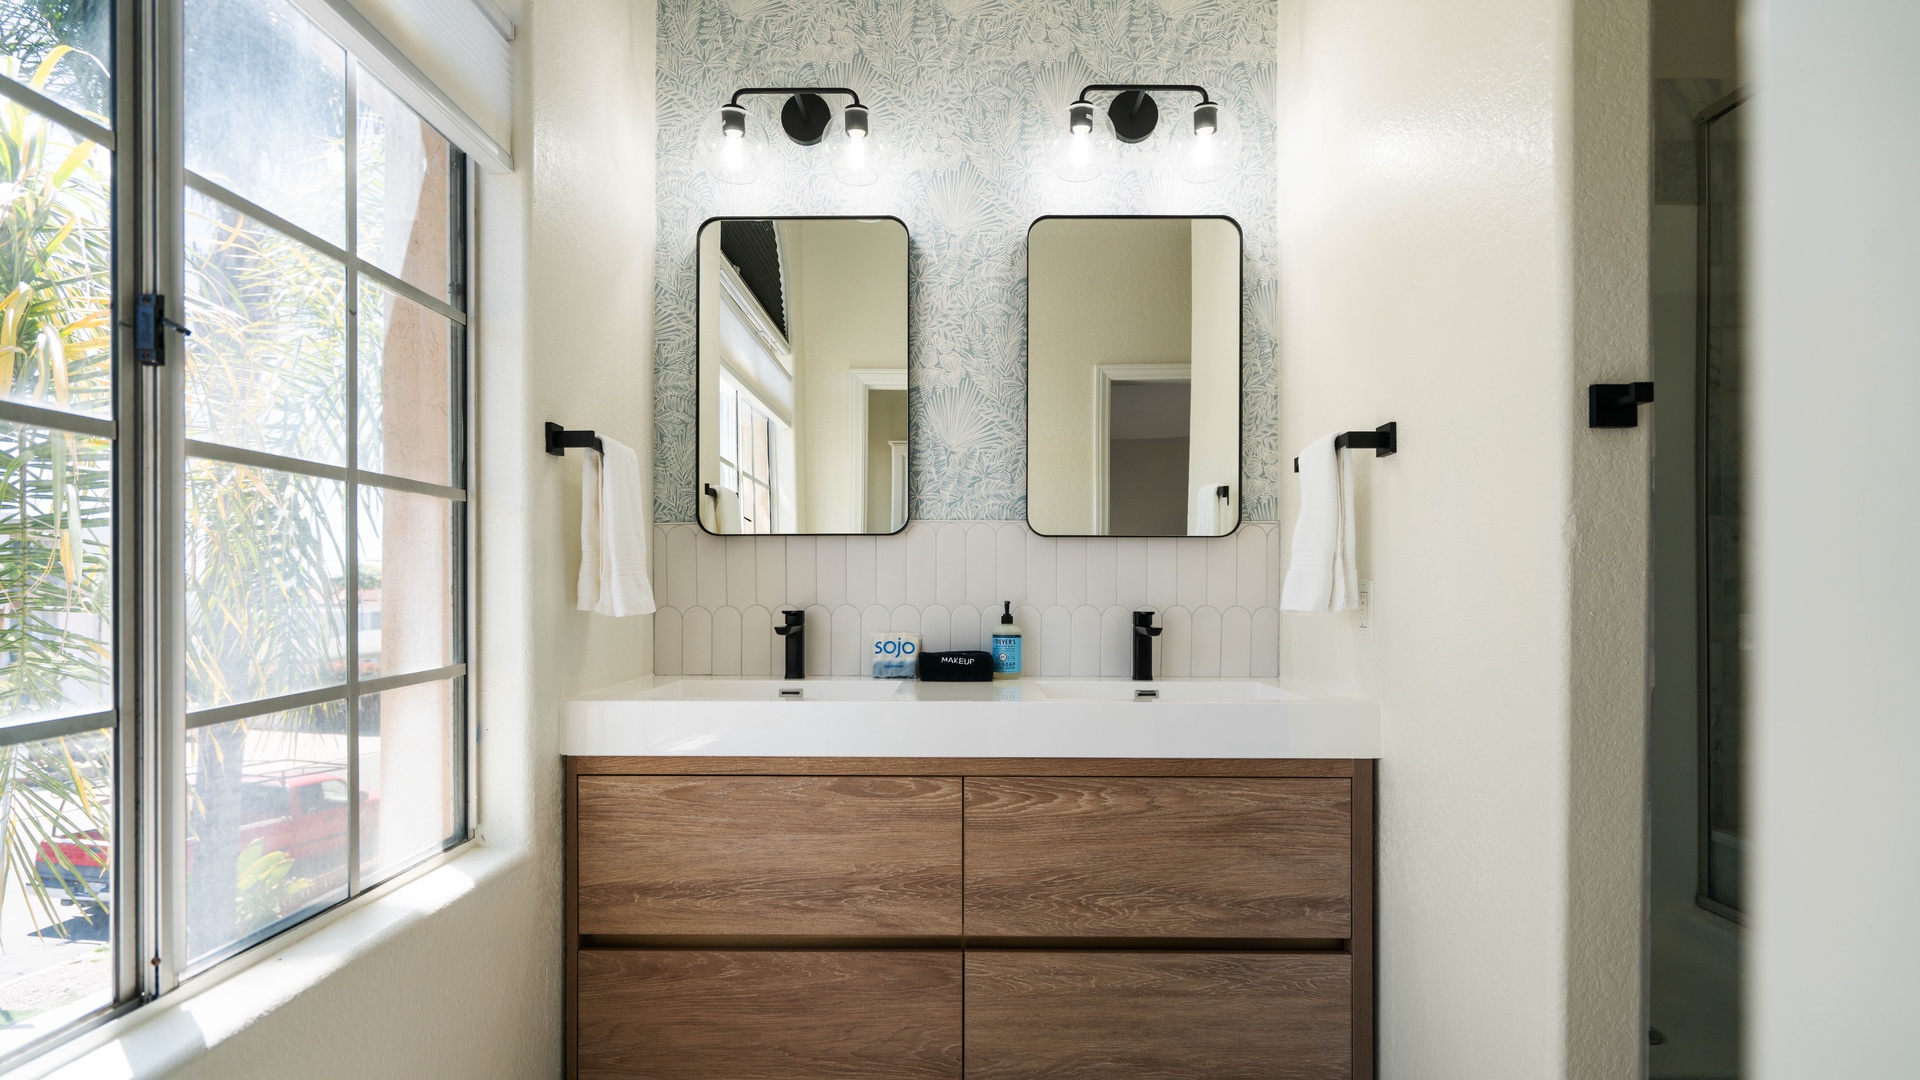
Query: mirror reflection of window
[(803, 348), (749, 451), (1133, 376)]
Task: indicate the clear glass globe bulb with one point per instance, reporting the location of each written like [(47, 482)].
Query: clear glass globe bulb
[(1079, 156), (1206, 156), (731, 159)]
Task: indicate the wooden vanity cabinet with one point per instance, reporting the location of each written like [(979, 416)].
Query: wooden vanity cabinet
[(1158, 857), (769, 1014), (1045, 1015), (761, 856), (783, 917)]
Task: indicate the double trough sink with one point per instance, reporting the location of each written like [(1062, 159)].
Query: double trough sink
[(847, 717)]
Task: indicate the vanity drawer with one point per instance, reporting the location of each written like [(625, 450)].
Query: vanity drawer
[(685, 1014), (1200, 857), (817, 856), (1167, 1015)]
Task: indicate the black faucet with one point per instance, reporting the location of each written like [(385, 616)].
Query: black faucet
[(796, 634), (1143, 634)]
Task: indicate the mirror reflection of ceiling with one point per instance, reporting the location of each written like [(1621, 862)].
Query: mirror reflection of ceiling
[(802, 376), (754, 252), (1133, 376)]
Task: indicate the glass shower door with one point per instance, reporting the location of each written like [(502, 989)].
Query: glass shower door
[(1724, 637)]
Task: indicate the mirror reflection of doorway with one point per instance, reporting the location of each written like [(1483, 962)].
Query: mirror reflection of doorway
[(1149, 433), (886, 434), (877, 452)]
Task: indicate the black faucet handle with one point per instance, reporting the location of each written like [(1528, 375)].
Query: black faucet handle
[(1143, 624), (795, 618)]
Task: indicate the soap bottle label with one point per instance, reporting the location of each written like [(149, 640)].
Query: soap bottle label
[(1006, 653)]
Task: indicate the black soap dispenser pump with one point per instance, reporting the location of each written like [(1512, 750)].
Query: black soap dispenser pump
[(1006, 645)]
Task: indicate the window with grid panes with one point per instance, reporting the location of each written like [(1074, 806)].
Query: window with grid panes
[(749, 441), (241, 571)]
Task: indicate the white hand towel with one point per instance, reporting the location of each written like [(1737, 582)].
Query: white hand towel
[(1323, 575), (613, 533)]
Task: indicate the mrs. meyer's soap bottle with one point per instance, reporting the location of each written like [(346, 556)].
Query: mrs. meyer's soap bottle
[(1006, 645)]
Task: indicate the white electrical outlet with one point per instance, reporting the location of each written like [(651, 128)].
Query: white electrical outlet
[(1366, 611)]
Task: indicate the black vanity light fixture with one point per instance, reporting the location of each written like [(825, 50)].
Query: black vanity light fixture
[(1206, 154), (735, 156), (1135, 114), (804, 117)]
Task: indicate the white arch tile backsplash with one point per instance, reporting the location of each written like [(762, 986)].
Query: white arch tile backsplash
[(1218, 599)]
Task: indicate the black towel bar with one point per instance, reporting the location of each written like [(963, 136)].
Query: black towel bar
[(1383, 441), (560, 440), (1617, 404)]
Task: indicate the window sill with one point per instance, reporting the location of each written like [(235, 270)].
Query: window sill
[(156, 1039)]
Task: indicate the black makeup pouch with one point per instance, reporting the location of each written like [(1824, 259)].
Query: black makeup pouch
[(956, 666)]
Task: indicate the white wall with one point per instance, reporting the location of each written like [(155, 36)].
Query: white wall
[(1463, 195), (565, 334), (1835, 273)]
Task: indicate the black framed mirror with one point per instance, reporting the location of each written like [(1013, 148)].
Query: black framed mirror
[(803, 377), (1133, 376)]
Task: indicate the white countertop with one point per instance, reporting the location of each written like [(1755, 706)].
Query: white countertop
[(852, 717)]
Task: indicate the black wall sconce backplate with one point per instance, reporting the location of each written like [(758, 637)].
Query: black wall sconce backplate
[(804, 118), (1134, 116)]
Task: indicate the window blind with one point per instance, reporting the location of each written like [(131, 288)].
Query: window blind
[(448, 59)]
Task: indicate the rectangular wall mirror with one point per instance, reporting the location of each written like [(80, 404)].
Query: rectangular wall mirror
[(803, 375), (1133, 376)]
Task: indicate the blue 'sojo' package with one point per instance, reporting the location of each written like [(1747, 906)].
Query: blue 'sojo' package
[(893, 656)]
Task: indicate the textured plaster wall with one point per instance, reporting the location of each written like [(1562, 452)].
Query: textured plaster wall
[(966, 95), (473, 991), (1463, 212)]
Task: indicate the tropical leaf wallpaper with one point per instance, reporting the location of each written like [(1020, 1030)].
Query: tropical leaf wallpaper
[(966, 98)]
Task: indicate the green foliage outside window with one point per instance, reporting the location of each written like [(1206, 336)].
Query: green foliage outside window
[(267, 603), (55, 488)]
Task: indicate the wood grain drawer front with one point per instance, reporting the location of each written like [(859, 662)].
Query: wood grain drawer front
[(685, 1014), (820, 856), (1166, 1015), (1158, 857)]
